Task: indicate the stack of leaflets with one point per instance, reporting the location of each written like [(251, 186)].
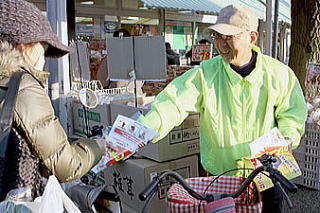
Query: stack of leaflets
[(271, 142), (285, 163), (275, 144), (124, 139)]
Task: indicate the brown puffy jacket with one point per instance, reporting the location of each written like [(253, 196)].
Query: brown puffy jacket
[(35, 116)]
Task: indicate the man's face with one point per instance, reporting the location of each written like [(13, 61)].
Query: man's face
[(235, 49)]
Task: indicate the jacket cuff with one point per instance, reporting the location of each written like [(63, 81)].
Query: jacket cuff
[(92, 149), (152, 121)]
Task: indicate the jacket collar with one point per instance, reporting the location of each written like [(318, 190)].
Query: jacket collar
[(254, 77), (12, 61)]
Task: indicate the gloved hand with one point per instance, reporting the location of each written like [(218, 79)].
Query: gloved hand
[(101, 138), (102, 144)]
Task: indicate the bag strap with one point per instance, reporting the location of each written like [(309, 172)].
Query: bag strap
[(7, 111)]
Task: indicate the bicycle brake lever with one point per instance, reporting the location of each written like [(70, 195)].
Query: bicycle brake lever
[(292, 188), (288, 200)]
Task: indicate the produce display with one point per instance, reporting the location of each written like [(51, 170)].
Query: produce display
[(152, 88)]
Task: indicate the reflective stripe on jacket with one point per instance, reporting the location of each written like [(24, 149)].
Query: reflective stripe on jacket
[(234, 111)]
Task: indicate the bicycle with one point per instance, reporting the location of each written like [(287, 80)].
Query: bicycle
[(211, 201)]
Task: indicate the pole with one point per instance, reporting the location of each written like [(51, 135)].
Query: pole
[(275, 30), (71, 19), (59, 81), (269, 27)]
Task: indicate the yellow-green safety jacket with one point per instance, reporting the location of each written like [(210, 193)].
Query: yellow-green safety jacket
[(234, 110)]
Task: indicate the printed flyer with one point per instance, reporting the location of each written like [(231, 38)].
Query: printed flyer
[(124, 139), (285, 163), (274, 144), (271, 142)]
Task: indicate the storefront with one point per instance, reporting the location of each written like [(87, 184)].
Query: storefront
[(182, 24), (180, 28)]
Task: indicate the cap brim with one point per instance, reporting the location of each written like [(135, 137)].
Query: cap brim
[(56, 49), (226, 29)]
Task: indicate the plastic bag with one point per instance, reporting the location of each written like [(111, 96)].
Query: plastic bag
[(9, 206), (53, 200), (21, 194)]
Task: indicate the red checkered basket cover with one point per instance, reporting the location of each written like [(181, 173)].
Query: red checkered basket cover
[(178, 200)]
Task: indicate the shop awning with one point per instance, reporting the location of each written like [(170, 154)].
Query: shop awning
[(214, 6), (205, 6)]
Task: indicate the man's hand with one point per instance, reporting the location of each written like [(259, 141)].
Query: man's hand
[(290, 142)]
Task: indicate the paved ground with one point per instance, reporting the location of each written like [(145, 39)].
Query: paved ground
[(304, 201)]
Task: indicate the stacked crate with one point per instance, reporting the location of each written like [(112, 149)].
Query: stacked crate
[(153, 88), (308, 157)]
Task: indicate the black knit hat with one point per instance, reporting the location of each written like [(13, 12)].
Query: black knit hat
[(22, 22)]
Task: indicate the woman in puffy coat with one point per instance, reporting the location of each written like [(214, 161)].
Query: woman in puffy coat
[(25, 39)]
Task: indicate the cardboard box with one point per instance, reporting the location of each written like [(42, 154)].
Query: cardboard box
[(122, 109), (180, 142), (116, 108), (173, 146), (84, 119), (128, 111), (128, 209), (193, 120), (132, 176)]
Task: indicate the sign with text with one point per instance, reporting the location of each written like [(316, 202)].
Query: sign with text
[(201, 52)]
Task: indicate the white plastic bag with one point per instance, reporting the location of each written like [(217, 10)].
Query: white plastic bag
[(55, 200), (9, 206)]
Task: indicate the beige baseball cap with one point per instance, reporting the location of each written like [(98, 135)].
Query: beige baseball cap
[(234, 19)]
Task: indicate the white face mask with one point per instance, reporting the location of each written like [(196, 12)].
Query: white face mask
[(40, 63), (34, 55)]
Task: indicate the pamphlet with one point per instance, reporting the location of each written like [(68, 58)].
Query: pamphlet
[(124, 139), (271, 142), (274, 144), (285, 163)]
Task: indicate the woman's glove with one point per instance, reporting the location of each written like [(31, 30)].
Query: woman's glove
[(101, 138)]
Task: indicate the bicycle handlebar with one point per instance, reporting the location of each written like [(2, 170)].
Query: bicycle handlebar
[(277, 178), (147, 191), (156, 180), (274, 173)]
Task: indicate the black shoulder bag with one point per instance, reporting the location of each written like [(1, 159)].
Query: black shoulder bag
[(7, 112), (19, 166)]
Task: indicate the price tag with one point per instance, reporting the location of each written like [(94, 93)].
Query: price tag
[(201, 52)]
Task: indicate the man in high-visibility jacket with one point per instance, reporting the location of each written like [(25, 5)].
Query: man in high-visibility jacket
[(240, 95)]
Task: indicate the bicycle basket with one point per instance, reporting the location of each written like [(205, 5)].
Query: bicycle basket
[(179, 200)]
